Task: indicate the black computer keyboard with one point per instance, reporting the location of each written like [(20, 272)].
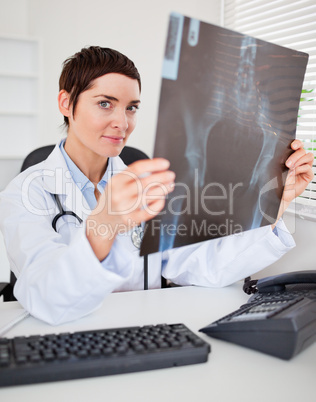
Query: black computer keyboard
[(36, 359)]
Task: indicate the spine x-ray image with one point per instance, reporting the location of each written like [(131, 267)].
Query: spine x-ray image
[(227, 116)]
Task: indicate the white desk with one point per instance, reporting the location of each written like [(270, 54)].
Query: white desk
[(232, 373)]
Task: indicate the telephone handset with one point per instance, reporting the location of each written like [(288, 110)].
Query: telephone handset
[(279, 318), (279, 282), (291, 281)]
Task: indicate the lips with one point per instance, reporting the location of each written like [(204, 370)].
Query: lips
[(113, 139)]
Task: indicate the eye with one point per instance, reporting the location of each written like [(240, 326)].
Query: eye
[(105, 104), (133, 108)]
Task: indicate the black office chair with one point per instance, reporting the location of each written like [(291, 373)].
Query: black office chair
[(128, 155)]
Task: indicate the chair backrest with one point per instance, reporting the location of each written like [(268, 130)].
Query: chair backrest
[(36, 156), (128, 155), (131, 154)]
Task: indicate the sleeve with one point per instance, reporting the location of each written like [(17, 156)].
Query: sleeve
[(221, 262), (56, 282)]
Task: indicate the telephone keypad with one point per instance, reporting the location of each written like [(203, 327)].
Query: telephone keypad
[(285, 295)]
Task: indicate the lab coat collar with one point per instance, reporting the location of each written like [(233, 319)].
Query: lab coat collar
[(57, 179), (56, 176)]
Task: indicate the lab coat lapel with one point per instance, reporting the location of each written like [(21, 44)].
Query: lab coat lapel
[(57, 179), (75, 201)]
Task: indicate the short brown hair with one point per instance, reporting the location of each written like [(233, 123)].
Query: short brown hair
[(81, 69)]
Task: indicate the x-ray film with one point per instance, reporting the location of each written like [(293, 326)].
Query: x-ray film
[(227, 116)]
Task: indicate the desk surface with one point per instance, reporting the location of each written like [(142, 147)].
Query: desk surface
[(232, 373)]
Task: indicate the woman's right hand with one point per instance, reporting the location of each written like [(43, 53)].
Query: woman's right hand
[(132, 196)]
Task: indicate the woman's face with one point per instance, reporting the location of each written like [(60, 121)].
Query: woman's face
[(105, 115)]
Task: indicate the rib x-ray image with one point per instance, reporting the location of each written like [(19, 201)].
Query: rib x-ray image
[(227, 116)]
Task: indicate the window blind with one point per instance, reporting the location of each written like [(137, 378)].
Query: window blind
[(289, 23)]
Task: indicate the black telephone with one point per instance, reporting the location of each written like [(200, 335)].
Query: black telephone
[(279, 318)]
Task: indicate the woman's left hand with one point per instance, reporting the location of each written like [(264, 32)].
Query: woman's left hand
[(300, 174)]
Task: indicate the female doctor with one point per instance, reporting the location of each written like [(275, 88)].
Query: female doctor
[(64, 272)]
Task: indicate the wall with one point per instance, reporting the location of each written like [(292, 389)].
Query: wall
[(14, 17), (13, 21), (136, 28), (303, 256)]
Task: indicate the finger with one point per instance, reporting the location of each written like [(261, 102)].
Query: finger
[(158, 179), (154, 193), (310, 158), (305, 171), (137, 170), (296, 144), (296, 158), (158, 190), (306, 159), (148, 166), (150, 211), (135, 187), (135, 195)]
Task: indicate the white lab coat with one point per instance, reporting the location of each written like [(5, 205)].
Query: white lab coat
[(59, 277)]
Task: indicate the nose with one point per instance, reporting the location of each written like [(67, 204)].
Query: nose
[(120, 120)]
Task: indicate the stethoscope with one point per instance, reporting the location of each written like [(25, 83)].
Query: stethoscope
[(136, 235), (62, 212)]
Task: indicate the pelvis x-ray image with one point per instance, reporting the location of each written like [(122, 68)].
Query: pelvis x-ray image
[(227, 116)]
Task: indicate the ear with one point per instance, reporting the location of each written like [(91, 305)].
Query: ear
[(64, 103)]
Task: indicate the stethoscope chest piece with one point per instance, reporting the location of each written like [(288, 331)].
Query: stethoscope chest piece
[(137, 236)]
